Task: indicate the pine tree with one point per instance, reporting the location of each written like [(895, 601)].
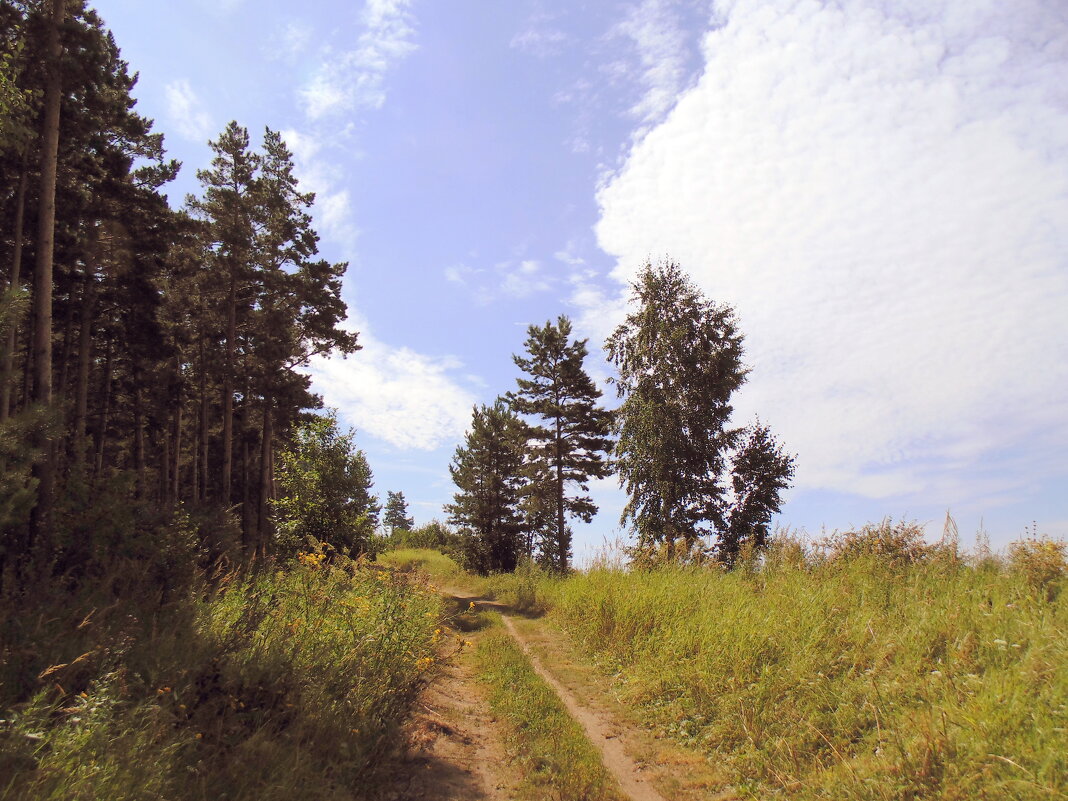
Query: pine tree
[(567, 444), (679, 358), (228, 206), (487, 472), (396, 513)]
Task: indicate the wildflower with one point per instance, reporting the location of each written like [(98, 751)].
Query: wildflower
[(471, 607)]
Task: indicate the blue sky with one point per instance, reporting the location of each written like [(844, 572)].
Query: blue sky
[(880, 189)]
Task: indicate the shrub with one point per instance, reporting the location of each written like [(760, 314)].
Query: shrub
[(1042, 563)]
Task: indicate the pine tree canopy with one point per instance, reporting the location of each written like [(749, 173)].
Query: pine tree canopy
[(567, 438)]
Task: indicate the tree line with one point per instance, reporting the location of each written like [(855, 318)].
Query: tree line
[(523, 471), (149, 356)]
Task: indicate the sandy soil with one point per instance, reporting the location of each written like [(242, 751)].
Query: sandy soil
[(456, 751)]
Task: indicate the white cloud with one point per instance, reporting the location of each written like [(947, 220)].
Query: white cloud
[(405, 398), (524, 279), (316, 173), (658, 34), (460, 273), (881, 190), (355, 78), (186, 112), (539, 41), (291, 40)]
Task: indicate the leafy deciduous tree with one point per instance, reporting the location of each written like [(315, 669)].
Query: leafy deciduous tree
[(679, 358), (326, 489)]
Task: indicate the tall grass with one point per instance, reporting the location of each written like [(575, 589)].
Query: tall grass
[(287, 684), (855, 677)]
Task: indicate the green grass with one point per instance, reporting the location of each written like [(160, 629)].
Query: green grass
[(289, 684), (556, 759), (848, 679), (438, 566)]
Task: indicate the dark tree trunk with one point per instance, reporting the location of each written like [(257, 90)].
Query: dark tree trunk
[(43, 468), (228, 386), (105, 413), (81, 394), (177, 455), (8, 362), (266, 451), (139, 435)]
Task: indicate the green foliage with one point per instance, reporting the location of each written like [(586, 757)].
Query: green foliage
[(566, 445), (395, 516), (868, 673), (434, 535), (326, 490), (486, 470), (679, 357), (287, 684), (551, 748)]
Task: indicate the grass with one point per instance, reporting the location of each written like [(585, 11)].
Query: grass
[(849, 678), (555, 757), (291, 683)]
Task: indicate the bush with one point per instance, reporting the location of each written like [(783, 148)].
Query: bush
[(893, 544), (1042, 563)]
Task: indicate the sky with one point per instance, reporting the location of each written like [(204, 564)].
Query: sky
[(878, 188)]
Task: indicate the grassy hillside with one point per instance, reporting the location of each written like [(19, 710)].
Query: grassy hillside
[(288, 684), (876, 669), (854, 678)]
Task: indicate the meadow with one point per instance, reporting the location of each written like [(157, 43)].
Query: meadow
[(876, 668)]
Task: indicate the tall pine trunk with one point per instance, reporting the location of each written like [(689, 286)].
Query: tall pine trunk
[(139, 435), (562, 546), (177, 454), (105, 413), (263, 521), (43, 467), (228, 386), (203, 426), (81, 393), (8, 361)]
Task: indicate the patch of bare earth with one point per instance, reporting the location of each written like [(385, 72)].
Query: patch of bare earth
[(455, 747)]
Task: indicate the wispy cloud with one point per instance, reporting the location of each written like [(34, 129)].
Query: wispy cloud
[(539, 39), (524, 279), (355, 78), (186, 112), (333, 203), (881, 190), (290, 41), (661, 41)]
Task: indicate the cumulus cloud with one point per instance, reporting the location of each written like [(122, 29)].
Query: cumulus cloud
[(186, 113), (881, 190), (405, 398), (355, 78)]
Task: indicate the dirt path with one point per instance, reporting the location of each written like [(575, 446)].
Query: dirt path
[(601, 730), (456, 750)]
